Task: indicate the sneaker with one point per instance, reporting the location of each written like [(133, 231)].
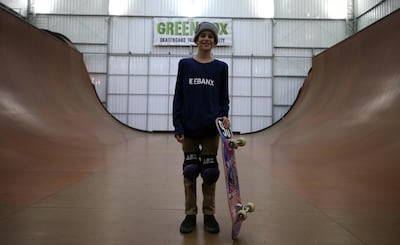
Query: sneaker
[(210, 224), (188, 224)]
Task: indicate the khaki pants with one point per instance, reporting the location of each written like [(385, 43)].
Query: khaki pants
[(206, 146)]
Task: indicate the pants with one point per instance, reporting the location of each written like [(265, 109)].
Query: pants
[(205, 146)]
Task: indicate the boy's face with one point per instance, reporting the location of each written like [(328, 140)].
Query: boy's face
[(205, 40)]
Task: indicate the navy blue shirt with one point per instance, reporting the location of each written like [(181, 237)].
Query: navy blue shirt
[(201, 95)]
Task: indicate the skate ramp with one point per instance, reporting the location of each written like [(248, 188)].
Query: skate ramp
[(339, 145), (53, 129)]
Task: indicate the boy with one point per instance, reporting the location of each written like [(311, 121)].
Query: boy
[(201, 95)]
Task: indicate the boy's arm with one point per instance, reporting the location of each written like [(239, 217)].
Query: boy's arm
[(177, 109), (224, 96)]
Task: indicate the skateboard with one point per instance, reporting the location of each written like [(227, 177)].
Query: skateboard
[(237, 209)]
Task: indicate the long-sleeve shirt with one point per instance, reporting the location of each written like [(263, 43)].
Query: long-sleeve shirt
[(201, 95)]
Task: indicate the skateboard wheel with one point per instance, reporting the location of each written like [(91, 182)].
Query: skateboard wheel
[(232, 144), (250, 207), (242, 214), (241, 142)]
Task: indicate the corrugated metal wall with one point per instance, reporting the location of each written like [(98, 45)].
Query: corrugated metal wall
[(204, 8), (311, 9), (302, 29), (308, 33), (19, 6), (365, 5), (147, 74), (369, 11), (273, 44), (73, 7), (79, 29)]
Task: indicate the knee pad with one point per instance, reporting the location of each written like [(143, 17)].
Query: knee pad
[(191, 166), (209, 169)]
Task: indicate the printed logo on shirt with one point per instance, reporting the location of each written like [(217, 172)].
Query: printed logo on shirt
[(201, 81)]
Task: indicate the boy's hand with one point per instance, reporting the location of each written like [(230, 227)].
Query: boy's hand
[(179, 138), (226, 122)]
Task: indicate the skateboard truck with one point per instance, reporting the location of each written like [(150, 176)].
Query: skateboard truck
[(235, 143), (244, 209)]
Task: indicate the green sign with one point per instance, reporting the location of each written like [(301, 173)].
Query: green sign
[(180, 31)]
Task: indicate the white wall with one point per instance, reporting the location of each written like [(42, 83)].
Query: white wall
[(369, 11), (19, 6), (142, 77)]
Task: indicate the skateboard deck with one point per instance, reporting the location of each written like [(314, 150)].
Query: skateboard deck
[(237, 209)]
